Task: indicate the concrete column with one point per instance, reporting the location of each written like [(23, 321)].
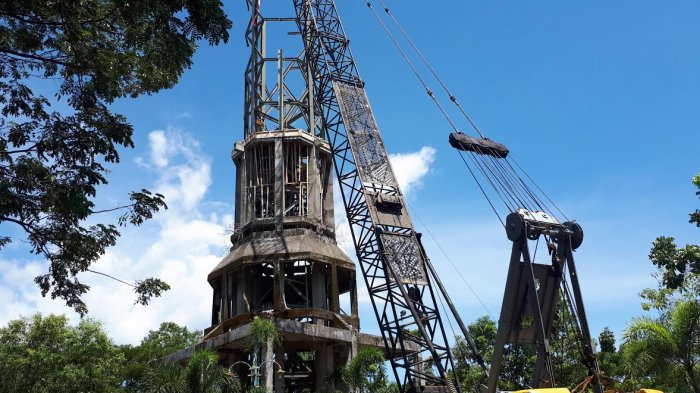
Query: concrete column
[(225, 296), (421, 368), (353, 301), (269, 366), (323, 364), (242, 302), (245, 205), (318, 286), (239, 201), (334, 295), (279, 377), (216, 303), (279, 302), (314, 191), (353, 347), (328, 215)]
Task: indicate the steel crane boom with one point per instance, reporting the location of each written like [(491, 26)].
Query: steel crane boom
[(396, 270)]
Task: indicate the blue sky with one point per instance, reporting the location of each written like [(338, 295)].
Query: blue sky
[(597, 100)]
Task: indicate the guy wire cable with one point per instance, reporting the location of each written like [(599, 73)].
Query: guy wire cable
[(490, 181), (430, 67), (430, 233), (413, 68)]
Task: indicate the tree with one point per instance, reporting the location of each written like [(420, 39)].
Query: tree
[(45, 354), (470, 375), (202, 374), (658, 350), (609, 358), (52, 161), (606, 340), (169, 338), (366, 372), (678, 267)]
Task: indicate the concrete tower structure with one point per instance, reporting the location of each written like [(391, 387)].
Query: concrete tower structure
[(284, 264)]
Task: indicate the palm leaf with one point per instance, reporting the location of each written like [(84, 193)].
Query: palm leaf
[(164, 377)]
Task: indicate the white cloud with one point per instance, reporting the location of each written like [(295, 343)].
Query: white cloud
[(180, 246), (410, 168), (158, 145), (187, 176), (20, 294)]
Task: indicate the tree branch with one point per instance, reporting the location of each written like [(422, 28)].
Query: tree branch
[(27, 150), (27, 227), (32, 57), (113, 209), (112, 277), (31, 21)]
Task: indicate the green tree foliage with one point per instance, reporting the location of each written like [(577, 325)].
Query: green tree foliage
[(169, 338), (55, 149), (606, 340), (261, 331), (609, 358), (519, 360), (517, 366), (471, 377), (663, 352), (202, 374), (45, 354), (678, 267), (366, 373), (658, 352), (568, 368)]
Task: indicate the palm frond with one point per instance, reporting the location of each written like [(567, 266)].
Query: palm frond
[(164, 377), (648, 345)]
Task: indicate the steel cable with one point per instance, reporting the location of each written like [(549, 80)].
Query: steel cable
[(491, 181), (538, 187), (413, 67), (454, 266), (482, 189), (430, 67)]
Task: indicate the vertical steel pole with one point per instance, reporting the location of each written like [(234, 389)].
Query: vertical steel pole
[(280, 70)]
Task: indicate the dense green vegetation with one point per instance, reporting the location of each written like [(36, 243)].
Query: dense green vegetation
[(46, 354), (202, 374), (52, 161), (366, 373)]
